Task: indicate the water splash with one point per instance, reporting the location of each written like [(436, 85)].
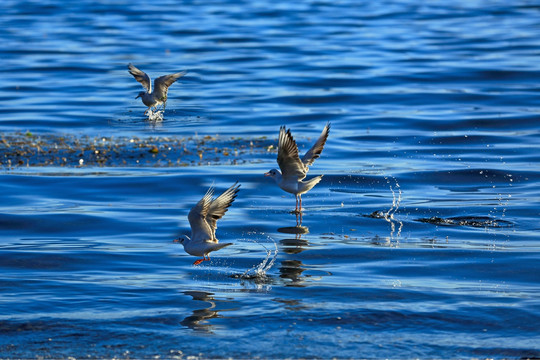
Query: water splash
[(503, 198), (498, 212), (155, 115), (396, 202), (259, 271)]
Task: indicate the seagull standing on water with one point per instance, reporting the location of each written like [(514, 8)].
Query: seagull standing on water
[(294, 169), (203, 219), (161, 86)]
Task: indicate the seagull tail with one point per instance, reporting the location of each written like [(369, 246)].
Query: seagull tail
[(308, 185), (220, 246)]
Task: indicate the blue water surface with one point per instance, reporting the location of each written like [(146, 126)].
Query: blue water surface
[(421, 241)]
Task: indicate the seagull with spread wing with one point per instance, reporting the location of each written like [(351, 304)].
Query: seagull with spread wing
[(161, 86), (294, 169), (203, 219)]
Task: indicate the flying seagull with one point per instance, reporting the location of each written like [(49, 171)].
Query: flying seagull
[(203, 219), (294, 169), (161, 86)]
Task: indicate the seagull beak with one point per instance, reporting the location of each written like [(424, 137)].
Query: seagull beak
[(267, 174), (138, 96)]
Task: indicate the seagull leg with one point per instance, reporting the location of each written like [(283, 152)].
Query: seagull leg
[(300, 197), (204, 258)]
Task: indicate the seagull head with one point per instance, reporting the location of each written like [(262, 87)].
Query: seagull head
[(140, 94), (274, 173), (182, 239)]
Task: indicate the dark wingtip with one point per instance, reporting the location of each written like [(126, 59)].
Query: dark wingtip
[(236, 186), (236, 189)]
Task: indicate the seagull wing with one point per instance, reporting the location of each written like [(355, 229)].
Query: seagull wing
[(219, 206), (317, 148), (162, 83), (200, 230), (288, 159), (141, 77)]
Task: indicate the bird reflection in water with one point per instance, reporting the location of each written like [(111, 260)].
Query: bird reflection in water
[(292, 270), (198, 320), (299, 219), (296, 245), (292, 304)]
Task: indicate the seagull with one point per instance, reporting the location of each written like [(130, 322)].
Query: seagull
[(203, 219), (294, 169), (161, 86)]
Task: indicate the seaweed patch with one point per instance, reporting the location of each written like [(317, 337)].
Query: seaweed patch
[(473, 221), (30, 150)]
